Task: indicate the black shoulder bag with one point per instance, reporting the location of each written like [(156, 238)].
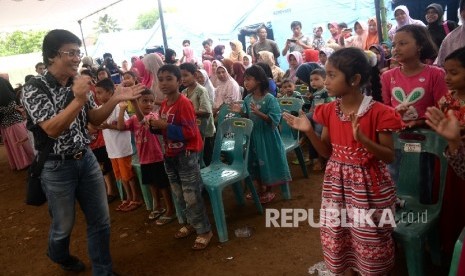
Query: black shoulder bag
[(35, 194)]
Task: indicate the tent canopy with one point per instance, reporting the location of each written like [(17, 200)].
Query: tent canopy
[(21, 14)]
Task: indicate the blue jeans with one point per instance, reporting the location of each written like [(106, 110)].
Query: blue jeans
[(65, 182), (184, 175)]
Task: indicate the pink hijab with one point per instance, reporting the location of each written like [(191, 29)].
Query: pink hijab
[(207, 66), (152, 63), (227, 91), (292, 70), (143, 75)]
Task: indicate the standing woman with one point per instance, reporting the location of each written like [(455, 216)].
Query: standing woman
[(237, 53), (152, 63), (13, 129), (401, 13), (372, 36), (437, 27)]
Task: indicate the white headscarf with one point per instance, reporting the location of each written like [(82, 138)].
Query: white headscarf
[(208, 85), (409, 21)]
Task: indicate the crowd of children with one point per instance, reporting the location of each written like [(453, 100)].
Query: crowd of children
[(355, 91)]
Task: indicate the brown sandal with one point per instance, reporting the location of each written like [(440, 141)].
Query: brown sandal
[(184, 232), (201, 242)]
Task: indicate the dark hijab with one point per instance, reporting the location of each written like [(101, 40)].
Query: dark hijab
[(304, 70), (7, 93)]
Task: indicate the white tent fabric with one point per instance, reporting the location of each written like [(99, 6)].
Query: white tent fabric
[(19, 14)]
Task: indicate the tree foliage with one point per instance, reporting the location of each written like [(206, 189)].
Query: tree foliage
[(147, 20), (106, 24), (21, 42)]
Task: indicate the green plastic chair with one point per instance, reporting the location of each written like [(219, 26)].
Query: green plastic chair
[(289, 135), (202, 125), (458, 251), (413, 228), (219, 175), (227, 147)]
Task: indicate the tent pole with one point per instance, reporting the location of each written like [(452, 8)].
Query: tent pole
[(380, 8), (162, 25), (82, 35)]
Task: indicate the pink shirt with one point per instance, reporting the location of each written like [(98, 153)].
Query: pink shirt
[(416, 92), (147, 144)]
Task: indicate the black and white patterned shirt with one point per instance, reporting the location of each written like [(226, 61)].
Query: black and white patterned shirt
[(39, 109)]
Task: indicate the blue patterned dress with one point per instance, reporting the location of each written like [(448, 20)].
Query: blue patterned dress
[(267, 156)]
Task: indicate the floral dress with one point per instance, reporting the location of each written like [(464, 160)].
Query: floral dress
[(355, 180), (453, 205)]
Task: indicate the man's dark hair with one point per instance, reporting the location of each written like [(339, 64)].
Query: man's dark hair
[(295, 24), (54, 40), (27, 78), (39, 64)]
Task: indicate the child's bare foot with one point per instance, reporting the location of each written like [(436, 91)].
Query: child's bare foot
[(202, 241)]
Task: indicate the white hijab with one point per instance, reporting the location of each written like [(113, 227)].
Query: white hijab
[(208, 85)]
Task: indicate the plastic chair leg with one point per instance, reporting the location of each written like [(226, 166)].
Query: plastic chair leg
[(237, 188), (414, 253), (120, 189), (256, 199), (216, 200), (435, 245), (146, 194), (286, 190), (300, 157)]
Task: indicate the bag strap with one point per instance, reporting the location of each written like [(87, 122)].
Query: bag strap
[(446, 27)]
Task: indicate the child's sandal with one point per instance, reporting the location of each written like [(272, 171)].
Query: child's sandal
[(202, 242), (123, 205), (184, 232)]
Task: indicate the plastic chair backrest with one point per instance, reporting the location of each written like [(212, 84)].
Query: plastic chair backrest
[(293, 106), (242, 129), (411, 144), (225, 112)]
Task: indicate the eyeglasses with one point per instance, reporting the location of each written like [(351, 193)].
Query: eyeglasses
[(72, 53)]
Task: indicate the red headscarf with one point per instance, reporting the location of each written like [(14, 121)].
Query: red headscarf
[(239, 70), (144, 76), (311, 55)]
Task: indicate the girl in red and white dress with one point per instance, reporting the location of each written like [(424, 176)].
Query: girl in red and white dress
[(357, 140)]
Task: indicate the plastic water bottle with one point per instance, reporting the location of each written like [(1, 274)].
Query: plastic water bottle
[(244, 232)]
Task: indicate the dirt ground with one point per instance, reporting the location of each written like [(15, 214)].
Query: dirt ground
[(141, 248)]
